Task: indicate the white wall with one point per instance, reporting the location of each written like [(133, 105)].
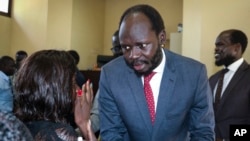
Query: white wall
[(88, 30), (29, 25), (5, 30)]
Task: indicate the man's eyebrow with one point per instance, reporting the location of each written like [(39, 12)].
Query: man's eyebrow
[(219, 43)]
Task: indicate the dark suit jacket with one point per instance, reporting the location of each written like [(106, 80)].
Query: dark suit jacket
[(184, 103), (234, 107)]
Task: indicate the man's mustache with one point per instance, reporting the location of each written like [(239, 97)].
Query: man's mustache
[(138, 62)]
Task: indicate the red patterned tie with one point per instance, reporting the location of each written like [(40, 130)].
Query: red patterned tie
[(149, 95)]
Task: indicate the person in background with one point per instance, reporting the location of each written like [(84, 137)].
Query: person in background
[(175, 105), (80, 78), (47, 93), (232, 100), (7, 69), (12, 129), (117, 51), (20, 56)]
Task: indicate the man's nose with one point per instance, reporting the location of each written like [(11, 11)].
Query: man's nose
[(135, 52)]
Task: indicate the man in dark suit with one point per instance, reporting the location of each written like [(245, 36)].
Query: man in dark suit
[(180, 107), (233, 106)]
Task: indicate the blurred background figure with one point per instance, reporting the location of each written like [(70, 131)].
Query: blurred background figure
[(20, 56), (7, 69), (80, 78), (116, 49), (12, 129)]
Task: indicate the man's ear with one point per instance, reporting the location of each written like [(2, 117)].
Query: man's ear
[(162, 37), (238, 48)]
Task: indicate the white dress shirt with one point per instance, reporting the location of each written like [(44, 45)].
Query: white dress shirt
[(229, 75), (155, 82)]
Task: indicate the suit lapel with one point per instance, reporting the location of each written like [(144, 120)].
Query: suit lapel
[(166, 91), (213, 81), (138, 93), (165, 94), (237, 76)]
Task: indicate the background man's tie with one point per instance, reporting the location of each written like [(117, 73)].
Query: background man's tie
[(219, 88), (149, 95)]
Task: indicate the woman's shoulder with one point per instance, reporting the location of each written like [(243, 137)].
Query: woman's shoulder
[(46, 130), (12, 128)]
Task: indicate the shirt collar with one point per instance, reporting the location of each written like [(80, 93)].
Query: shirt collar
[(160, 67), (4, 76), (235, 65)]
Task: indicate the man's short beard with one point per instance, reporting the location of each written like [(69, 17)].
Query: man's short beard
[(229, 59), (156, 60)]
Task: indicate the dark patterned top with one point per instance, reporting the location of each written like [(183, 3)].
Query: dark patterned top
[(51, 131), (12, 129)]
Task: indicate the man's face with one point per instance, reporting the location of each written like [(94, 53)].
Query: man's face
[(140, 44), (225, 51)]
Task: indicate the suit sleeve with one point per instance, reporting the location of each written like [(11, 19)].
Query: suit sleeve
[(201, 114), (112, 127), (94, 114)]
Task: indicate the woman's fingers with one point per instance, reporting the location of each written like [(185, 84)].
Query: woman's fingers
[(88, 92), (83, 106), (89, 95)]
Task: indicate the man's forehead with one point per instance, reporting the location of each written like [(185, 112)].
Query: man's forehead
[(135, 23), (223, 38)]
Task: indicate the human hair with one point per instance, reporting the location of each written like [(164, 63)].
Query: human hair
[(5, 61), (75, 55), (45, 86), (153, 15), (20, 55), (116, 33), (237, 36), (7, 65)]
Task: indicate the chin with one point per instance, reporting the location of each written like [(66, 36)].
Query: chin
[(218, 64)]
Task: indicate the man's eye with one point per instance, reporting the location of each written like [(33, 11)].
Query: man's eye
[(142, 46), (126, 47), (219, 44)]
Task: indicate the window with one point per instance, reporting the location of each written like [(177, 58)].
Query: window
[(5, 7)]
